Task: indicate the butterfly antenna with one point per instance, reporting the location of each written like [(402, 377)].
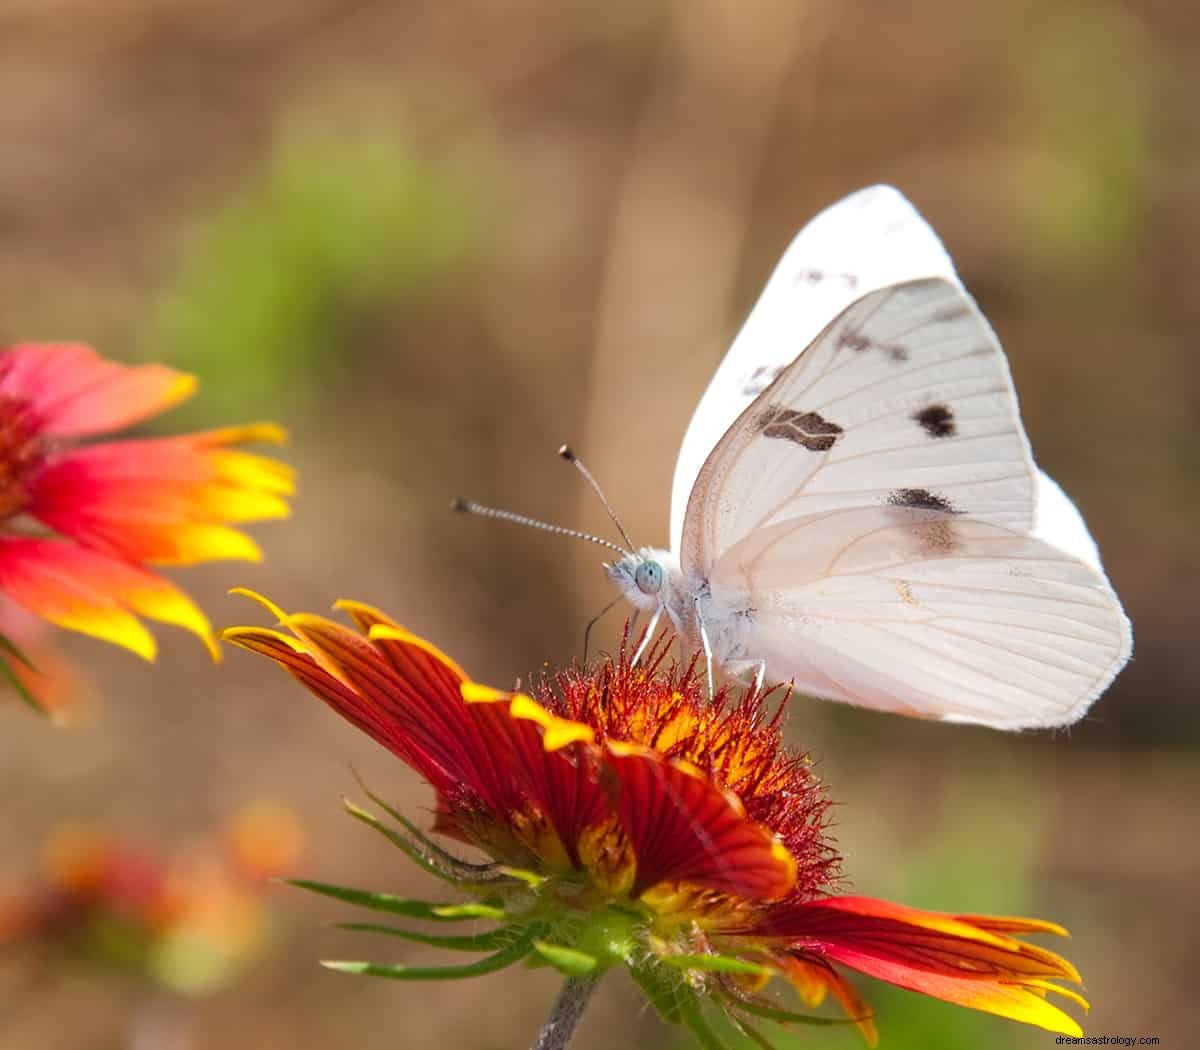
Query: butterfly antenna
[(566, 452), (466, 506)]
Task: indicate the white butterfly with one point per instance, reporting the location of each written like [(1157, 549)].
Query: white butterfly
[(856, 507)]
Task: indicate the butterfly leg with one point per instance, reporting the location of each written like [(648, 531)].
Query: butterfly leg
[(707, 648), (648, 635)]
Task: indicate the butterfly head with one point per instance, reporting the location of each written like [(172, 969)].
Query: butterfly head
[(644, 578)]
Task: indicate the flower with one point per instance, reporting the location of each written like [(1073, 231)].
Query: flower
[(188, 921), (80, 523), (633, 820), (38, 672)]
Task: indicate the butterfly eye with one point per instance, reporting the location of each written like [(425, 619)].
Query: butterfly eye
[(649, 577)]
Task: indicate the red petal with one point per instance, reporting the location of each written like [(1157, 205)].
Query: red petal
[(89, 592), (813, 977), (75, 392), (161, 500), (561, 782), (939, 955), (685, 829), (406, 695)]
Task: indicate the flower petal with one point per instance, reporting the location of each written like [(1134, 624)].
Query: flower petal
[(560, 780), (944, 956), (162, 500), (685, 829), (76, 392), (812, 978), (403, 692), (97, 595)]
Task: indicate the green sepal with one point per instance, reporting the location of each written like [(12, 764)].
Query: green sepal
[(774, 1013), (662, 990), (11, 650), (470, 910), (489, 964), (567, 961), (479, 942), (399, 905), (463, 870), (693, 1018), (418, 854), (716, 964), (745, 1028)]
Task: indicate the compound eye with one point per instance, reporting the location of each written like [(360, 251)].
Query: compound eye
[(649, 577)]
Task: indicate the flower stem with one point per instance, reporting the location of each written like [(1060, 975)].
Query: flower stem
[(559, 1029)]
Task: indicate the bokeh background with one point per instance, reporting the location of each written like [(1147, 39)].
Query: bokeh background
[(438, 239)]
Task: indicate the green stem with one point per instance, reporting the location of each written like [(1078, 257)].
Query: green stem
[(559, 1029)]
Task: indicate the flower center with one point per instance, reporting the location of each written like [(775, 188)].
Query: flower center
[(21, 453)]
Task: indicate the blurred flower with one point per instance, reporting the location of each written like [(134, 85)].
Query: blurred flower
[(78, 524), (41, 674), (634, 821), (189, 922)]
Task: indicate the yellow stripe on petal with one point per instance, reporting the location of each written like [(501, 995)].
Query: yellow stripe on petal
[(74, 588), (110, 624), (1067, 993), (262, 600), (162, 601), (784, 856), (364, 616), (1021, 1004), (246, 470), (477, 693), (235, 504), (557, 732), (300, 623), (245, 434), (1010, 924), (237, 635), (195, 542), (383, 632)]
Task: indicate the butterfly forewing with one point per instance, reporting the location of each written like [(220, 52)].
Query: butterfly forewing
[(903, 402), (869, 240)]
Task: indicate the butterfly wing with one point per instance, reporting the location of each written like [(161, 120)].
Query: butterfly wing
[(869, 240), (874, 527), (904, 400), (926, 613)]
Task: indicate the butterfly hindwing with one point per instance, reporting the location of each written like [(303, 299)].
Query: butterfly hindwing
[(926, 614)]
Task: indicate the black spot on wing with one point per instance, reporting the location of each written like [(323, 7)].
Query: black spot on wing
[(808, 429), (920, 499), (937, 538), (937, 421)]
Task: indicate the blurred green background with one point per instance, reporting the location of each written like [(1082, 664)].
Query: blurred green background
[(438, 239)]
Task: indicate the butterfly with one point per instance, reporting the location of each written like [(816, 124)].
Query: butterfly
[(856, 508)]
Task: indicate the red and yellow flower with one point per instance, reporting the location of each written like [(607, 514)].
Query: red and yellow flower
[(633, 820), (80, 523), (188, 920)]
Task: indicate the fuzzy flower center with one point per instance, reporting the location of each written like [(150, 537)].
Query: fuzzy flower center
[(733, 739)]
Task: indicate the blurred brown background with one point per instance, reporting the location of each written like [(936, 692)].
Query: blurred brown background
[(438, 239)]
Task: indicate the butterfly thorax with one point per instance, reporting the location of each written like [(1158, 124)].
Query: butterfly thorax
[(653, 581)]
